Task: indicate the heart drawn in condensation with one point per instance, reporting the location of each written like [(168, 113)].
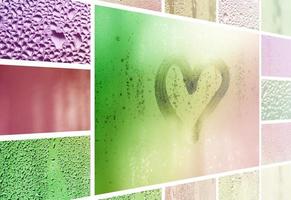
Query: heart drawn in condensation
[(190, 78)]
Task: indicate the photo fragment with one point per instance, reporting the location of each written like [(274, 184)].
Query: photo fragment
[(178, 87), (166, 91), (275, 99), (44, 99)]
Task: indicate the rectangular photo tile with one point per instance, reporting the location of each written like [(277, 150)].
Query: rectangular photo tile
[(45, 30), (244, 186), (200, 9), (276, 100), (37, 99), (146, 195), (276, 60), (174, 99), (146, 4), (245, 13), (276, 143), (204, 190), (276, 183), (276, 16), (45, 169)]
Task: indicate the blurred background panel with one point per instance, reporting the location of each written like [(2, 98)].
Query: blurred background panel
[(276, 143), (276, 182), (276, 16), (200, 9), (244, 13), (205, 190)]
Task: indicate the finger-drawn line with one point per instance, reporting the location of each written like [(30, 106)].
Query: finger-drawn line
[(190, 78)]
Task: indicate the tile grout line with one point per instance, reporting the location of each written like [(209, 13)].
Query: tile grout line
[(163, 6), (275, 164), (45, 135), (92, 102), (260, 17), (260, 113), (163, 193), (217, 11), (42, 64), (277, 121), (276, 78), (217, 188)]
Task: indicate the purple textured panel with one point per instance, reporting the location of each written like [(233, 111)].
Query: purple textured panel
[(276, 60), (45, 30)]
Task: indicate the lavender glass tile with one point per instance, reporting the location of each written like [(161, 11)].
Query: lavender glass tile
[(45, 30), (276, 60), (276, 143), (243, 13)]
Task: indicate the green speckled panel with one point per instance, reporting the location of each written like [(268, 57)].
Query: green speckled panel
[(146, 195), (45, 169), (276, 100)]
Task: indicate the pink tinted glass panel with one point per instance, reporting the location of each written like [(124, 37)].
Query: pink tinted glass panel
[(276, 142), (276, 59), (43, 99)]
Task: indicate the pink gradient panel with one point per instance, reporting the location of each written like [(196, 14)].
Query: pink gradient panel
[(276, 145), (276, 60), (36, 100)]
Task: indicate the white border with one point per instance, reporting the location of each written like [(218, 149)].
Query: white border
[(270, 34), (217, 12), (48, 135), (41, 64), (163, 6), (217, 188), (163, 191), (92, 110), (278, 121), (260, 114), (277, 164), (276, 78), (260, 16)]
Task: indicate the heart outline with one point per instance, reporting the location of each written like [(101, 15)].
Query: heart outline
[(190, 78)]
